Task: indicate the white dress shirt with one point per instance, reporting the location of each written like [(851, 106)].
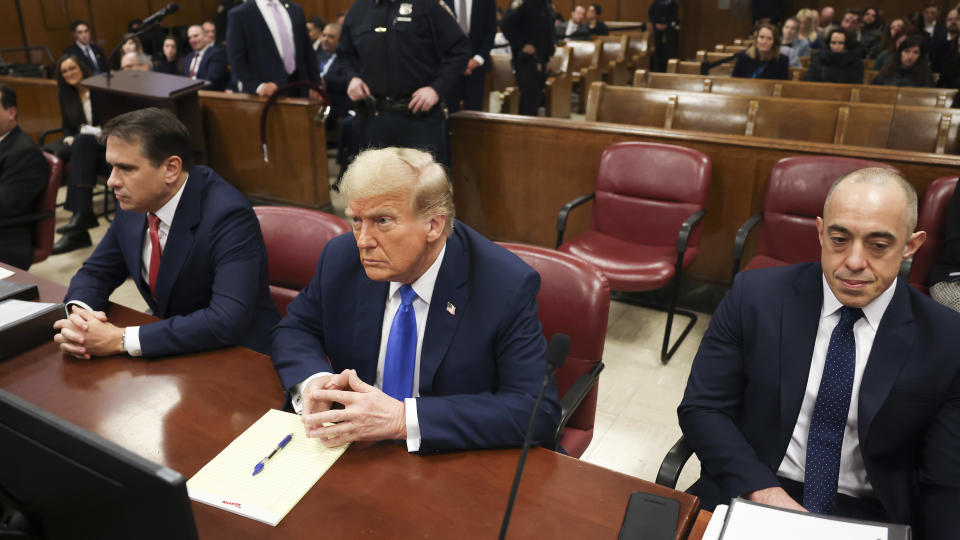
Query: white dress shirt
[(423, 286), (267, 13), (853, 479)]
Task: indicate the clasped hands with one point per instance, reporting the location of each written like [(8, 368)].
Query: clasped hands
[(368, 413), (88, 333)]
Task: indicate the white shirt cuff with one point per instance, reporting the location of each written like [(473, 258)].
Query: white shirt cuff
[(296, 393), (131, 341), (413, 425), (259, 86), (78, 303), (478, 58)]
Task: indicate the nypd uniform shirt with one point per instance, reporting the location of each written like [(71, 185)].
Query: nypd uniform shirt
[(397, 47)]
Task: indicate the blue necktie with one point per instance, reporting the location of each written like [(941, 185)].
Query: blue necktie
[(825, 440), (401, 358)]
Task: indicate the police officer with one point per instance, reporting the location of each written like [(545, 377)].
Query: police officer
[(665, 16), (528, 26), (400, 56)]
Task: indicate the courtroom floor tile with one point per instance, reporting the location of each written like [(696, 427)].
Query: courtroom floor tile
[(636, 422)]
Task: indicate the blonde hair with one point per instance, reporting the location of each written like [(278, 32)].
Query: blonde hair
[(381, 171), (814, 18)]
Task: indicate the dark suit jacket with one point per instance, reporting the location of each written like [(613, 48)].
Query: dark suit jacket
[(23, 175), (213, 67), (212, 289), (748, 379), (253, 55), (102, 63), (483, 28), (481, 366)]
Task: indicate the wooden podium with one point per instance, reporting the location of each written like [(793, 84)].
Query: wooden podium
[(125, 91)]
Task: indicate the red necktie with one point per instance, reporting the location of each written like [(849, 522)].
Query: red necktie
[(193, 65), (154, 222)]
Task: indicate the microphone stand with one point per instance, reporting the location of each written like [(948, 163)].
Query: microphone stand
[(109, 72), (556, 354)]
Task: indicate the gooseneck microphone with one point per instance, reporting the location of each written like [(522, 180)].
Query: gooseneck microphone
[(172, 7), (556, 354)]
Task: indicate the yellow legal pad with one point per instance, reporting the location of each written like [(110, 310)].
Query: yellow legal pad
[(227, 482)]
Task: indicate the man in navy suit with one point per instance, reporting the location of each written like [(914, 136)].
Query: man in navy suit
[(189, 240), (431, 330), (861, 418), (85, 49), (206, 61), (268, 47), (478, 19)]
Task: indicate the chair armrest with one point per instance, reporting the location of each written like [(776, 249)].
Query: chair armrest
[(684, 236), (572, 399), (25, 219), (741, 240), (673, 463), (562, 215), (42, 139)]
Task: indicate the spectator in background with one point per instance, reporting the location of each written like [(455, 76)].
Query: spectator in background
[(81, 149), (596, 27), (478, 21), (220, 19), (839, 63), (809, 27), (763, 60), (939, 50), (576, 27), (210, 31), (665, 16), (945, 276), (898, 30), (950, 73), (909, 66), (865, 45), (169, 60), (341, 16), (130, 45), (206, 61), (872, 21), (135, 61), (934, 29), (261, 32), (84, 49), (826, 19), (315, 26), (23, 178), (800, 47)]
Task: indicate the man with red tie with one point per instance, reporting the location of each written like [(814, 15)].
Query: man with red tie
[(206, 61), (188, 239)]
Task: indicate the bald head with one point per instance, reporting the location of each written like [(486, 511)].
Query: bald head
[(881, 177)]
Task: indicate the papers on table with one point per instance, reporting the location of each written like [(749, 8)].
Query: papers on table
[(227, 482), (13, 312), (745, 520), (4, 273)]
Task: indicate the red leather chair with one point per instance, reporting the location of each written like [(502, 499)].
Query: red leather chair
[(644, 230), (574, 299), (933, 220), (294, 238), (796, 191), (43, 232), (108, 196)]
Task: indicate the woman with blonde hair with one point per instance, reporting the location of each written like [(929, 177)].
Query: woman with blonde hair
[(763, 60), (809, 22)]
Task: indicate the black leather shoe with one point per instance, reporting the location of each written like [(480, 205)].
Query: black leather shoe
[(79, 222), (72, 241)]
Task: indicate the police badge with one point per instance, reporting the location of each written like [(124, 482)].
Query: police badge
[(406, 9)]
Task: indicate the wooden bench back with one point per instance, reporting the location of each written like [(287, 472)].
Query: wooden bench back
[(560, 61), (583, 54), (921, 129), (611, 49)]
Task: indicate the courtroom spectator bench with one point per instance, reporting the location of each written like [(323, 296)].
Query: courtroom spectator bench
[(511, 173), (922, 129), (557, 92), (796, 74), (38, 108), (866, 93)]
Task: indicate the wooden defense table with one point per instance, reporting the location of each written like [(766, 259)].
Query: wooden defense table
[(182, 411)]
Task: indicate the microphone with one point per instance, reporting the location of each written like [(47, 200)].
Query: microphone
[(172, 7), (556, 354)]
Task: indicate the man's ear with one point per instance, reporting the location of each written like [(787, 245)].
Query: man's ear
[(820, 230), (435, 227), (172, 167), (913, 244)]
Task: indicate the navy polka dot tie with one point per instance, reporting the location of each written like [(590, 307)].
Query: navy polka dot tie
[(830, 416)]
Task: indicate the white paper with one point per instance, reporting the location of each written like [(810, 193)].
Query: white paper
[(12, 311), (4, 273), (715, 526), (746, 521)]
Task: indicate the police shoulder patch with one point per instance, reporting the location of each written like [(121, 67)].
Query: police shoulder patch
[(447, 8)]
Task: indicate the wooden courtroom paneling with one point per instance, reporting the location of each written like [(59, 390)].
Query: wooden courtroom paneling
[(512, 174), (37, 106), (297, 171)]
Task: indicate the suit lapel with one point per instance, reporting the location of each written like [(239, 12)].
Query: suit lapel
[(180, 239), (262, 21), (798, 333), (451, 288), (9, 141), (371, 297), (891, 349)]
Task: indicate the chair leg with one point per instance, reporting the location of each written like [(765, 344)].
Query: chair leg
[(667, 352)]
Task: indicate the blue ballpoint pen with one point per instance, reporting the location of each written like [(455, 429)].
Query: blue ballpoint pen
[(259, 466)]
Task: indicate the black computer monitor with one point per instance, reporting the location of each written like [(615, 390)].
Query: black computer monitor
[(59, 481)]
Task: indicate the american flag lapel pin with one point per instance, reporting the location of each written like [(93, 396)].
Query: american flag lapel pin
[(451, 309)]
